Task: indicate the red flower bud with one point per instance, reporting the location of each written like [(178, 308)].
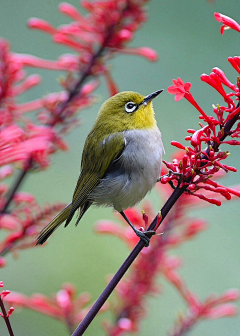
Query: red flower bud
[(10, 311), (40, 24), (177, 144), (4, 293)]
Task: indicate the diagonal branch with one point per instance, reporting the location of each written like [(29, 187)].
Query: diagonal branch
[(127, 263), (6, 318)]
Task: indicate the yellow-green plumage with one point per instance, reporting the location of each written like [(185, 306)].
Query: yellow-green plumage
[(115, 153)]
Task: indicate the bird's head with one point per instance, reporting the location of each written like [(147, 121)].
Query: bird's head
[(127, 111)]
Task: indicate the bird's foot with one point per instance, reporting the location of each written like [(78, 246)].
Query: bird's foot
[(169, 174), (145, 236)]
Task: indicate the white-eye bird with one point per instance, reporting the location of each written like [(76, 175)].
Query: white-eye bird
[(121, 160)]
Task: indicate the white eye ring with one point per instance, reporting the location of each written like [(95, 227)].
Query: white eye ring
[(130, 107)]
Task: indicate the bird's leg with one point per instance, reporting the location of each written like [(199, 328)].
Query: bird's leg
[(142, 235), (169, 174)]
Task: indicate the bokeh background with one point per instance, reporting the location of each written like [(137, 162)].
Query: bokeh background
[(189, 43)]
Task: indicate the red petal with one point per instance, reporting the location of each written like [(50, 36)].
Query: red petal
[(179, 96)]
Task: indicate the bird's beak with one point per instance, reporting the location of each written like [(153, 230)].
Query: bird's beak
[(151, 96)]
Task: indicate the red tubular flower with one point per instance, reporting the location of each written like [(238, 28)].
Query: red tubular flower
[(71, 11), (145, 52), (36, 62), (112, 86), (4, 293), (235, 62), (228, 23), (194, 227), (27, 84), (40, 24), (232, 114), (177, 144), (215, 82), (224, 79), (10, 311), (108, 227), (179, 89), (221, 311), (196, 137)]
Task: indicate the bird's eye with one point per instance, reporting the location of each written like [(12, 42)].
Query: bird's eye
[(130, 107)]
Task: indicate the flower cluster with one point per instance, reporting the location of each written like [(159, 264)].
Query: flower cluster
[(106, 30), (23, 223), (65, 305), (111, 24), (204, 158), (20, 138), (213, 307)]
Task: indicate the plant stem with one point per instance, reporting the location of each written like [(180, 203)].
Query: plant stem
[(230, 124), (85, 74), (16, 185), (127, 263), (6, 318)]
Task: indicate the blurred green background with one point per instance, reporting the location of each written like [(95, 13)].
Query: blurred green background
[(189, 43)]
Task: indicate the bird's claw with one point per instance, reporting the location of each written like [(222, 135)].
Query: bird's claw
[(145, 236)]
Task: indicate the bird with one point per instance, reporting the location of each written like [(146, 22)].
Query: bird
[(121, 160)]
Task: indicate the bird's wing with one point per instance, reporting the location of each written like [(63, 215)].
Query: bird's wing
[(95, 163)]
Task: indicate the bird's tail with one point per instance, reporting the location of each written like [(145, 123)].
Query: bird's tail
[(53, 225)]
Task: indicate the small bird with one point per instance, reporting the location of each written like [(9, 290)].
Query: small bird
[(121, 160)]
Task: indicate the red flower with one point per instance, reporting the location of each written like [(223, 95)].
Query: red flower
[(179, 88), (228, 23)]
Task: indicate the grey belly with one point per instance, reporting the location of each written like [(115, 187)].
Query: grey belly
[(134, 174)]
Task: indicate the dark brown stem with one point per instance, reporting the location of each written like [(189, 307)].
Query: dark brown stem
[(127, 263), (6, 318), (85, 74), (229, 125), (16, 185)]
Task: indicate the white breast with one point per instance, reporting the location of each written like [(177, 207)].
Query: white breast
[(136, 173)]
